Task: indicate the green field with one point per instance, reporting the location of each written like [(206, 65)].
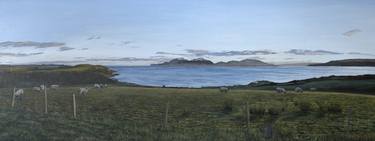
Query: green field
[(35, 75), (135, 113), (364, 84)]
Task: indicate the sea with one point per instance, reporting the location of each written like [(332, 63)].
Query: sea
[(204, 76)]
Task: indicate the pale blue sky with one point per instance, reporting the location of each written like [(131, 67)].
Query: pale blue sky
[(133, 31)]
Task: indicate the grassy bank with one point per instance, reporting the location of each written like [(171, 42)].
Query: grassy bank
[(35, 75), (133, 113), (351, 84)]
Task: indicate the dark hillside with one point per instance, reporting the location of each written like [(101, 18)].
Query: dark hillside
[(348, 62), (358, 84)]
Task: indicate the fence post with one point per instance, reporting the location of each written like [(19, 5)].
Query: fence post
[(13, 97), (74, 106), (247, 113), (45, 100), (349, 119), (166, 116), (247, 130)]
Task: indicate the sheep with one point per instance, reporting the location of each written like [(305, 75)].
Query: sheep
[(83, 91), (55, 86), (97, 86), (103, 85), (42, 87), (298, 90), (224, 89), (280, 90), (18, 93), (37, 89)]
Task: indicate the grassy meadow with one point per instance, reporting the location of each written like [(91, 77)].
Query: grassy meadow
[(35, 75), (364, 84), (141, 114)]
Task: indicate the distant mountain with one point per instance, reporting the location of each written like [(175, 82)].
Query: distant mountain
[(296, 64), (246, 62), (348, 62), (185, 62), (204, 62)]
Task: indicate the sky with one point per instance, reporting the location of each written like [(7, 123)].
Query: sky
[(143, 32)]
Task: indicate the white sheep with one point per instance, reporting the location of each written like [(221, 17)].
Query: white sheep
[(298, 90), (42, 87), (97, 86), (224, 89), (83, 91), (280, 90), (55, 86), (37, 89), (18, 93), (103, 85)]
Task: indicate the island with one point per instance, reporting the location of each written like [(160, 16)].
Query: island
[(348, 62), (185, 62), (205, 62)]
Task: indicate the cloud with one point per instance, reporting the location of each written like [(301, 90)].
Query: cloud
[(125, 43), (129, 44), (81, 60), (289, 58), (36, 45), (200, 53), (359, 53), (84, 48), (65, 48), (134, 46), (256, 58), (5, 54), (61, 62), (32, 44), (253, 58), (168, 53), (311, 52), (351, 32), (94, 37), (130, 59), (228, 53)]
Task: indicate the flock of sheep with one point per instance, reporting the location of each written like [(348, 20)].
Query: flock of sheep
[(297, 90), (85, 90), (278, 90), (82, 91)]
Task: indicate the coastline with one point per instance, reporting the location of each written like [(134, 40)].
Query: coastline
[(357, 84)]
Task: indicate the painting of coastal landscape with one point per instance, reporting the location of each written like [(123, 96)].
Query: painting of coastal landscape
[(173, 70)]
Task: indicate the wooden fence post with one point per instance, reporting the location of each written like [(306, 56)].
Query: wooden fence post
[(45, 100), (247, 113), (247, 132), (74, 106), (349, 119), (13, 97), (166, 116)]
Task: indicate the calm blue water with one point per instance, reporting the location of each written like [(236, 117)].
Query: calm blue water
[(219, 76)]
